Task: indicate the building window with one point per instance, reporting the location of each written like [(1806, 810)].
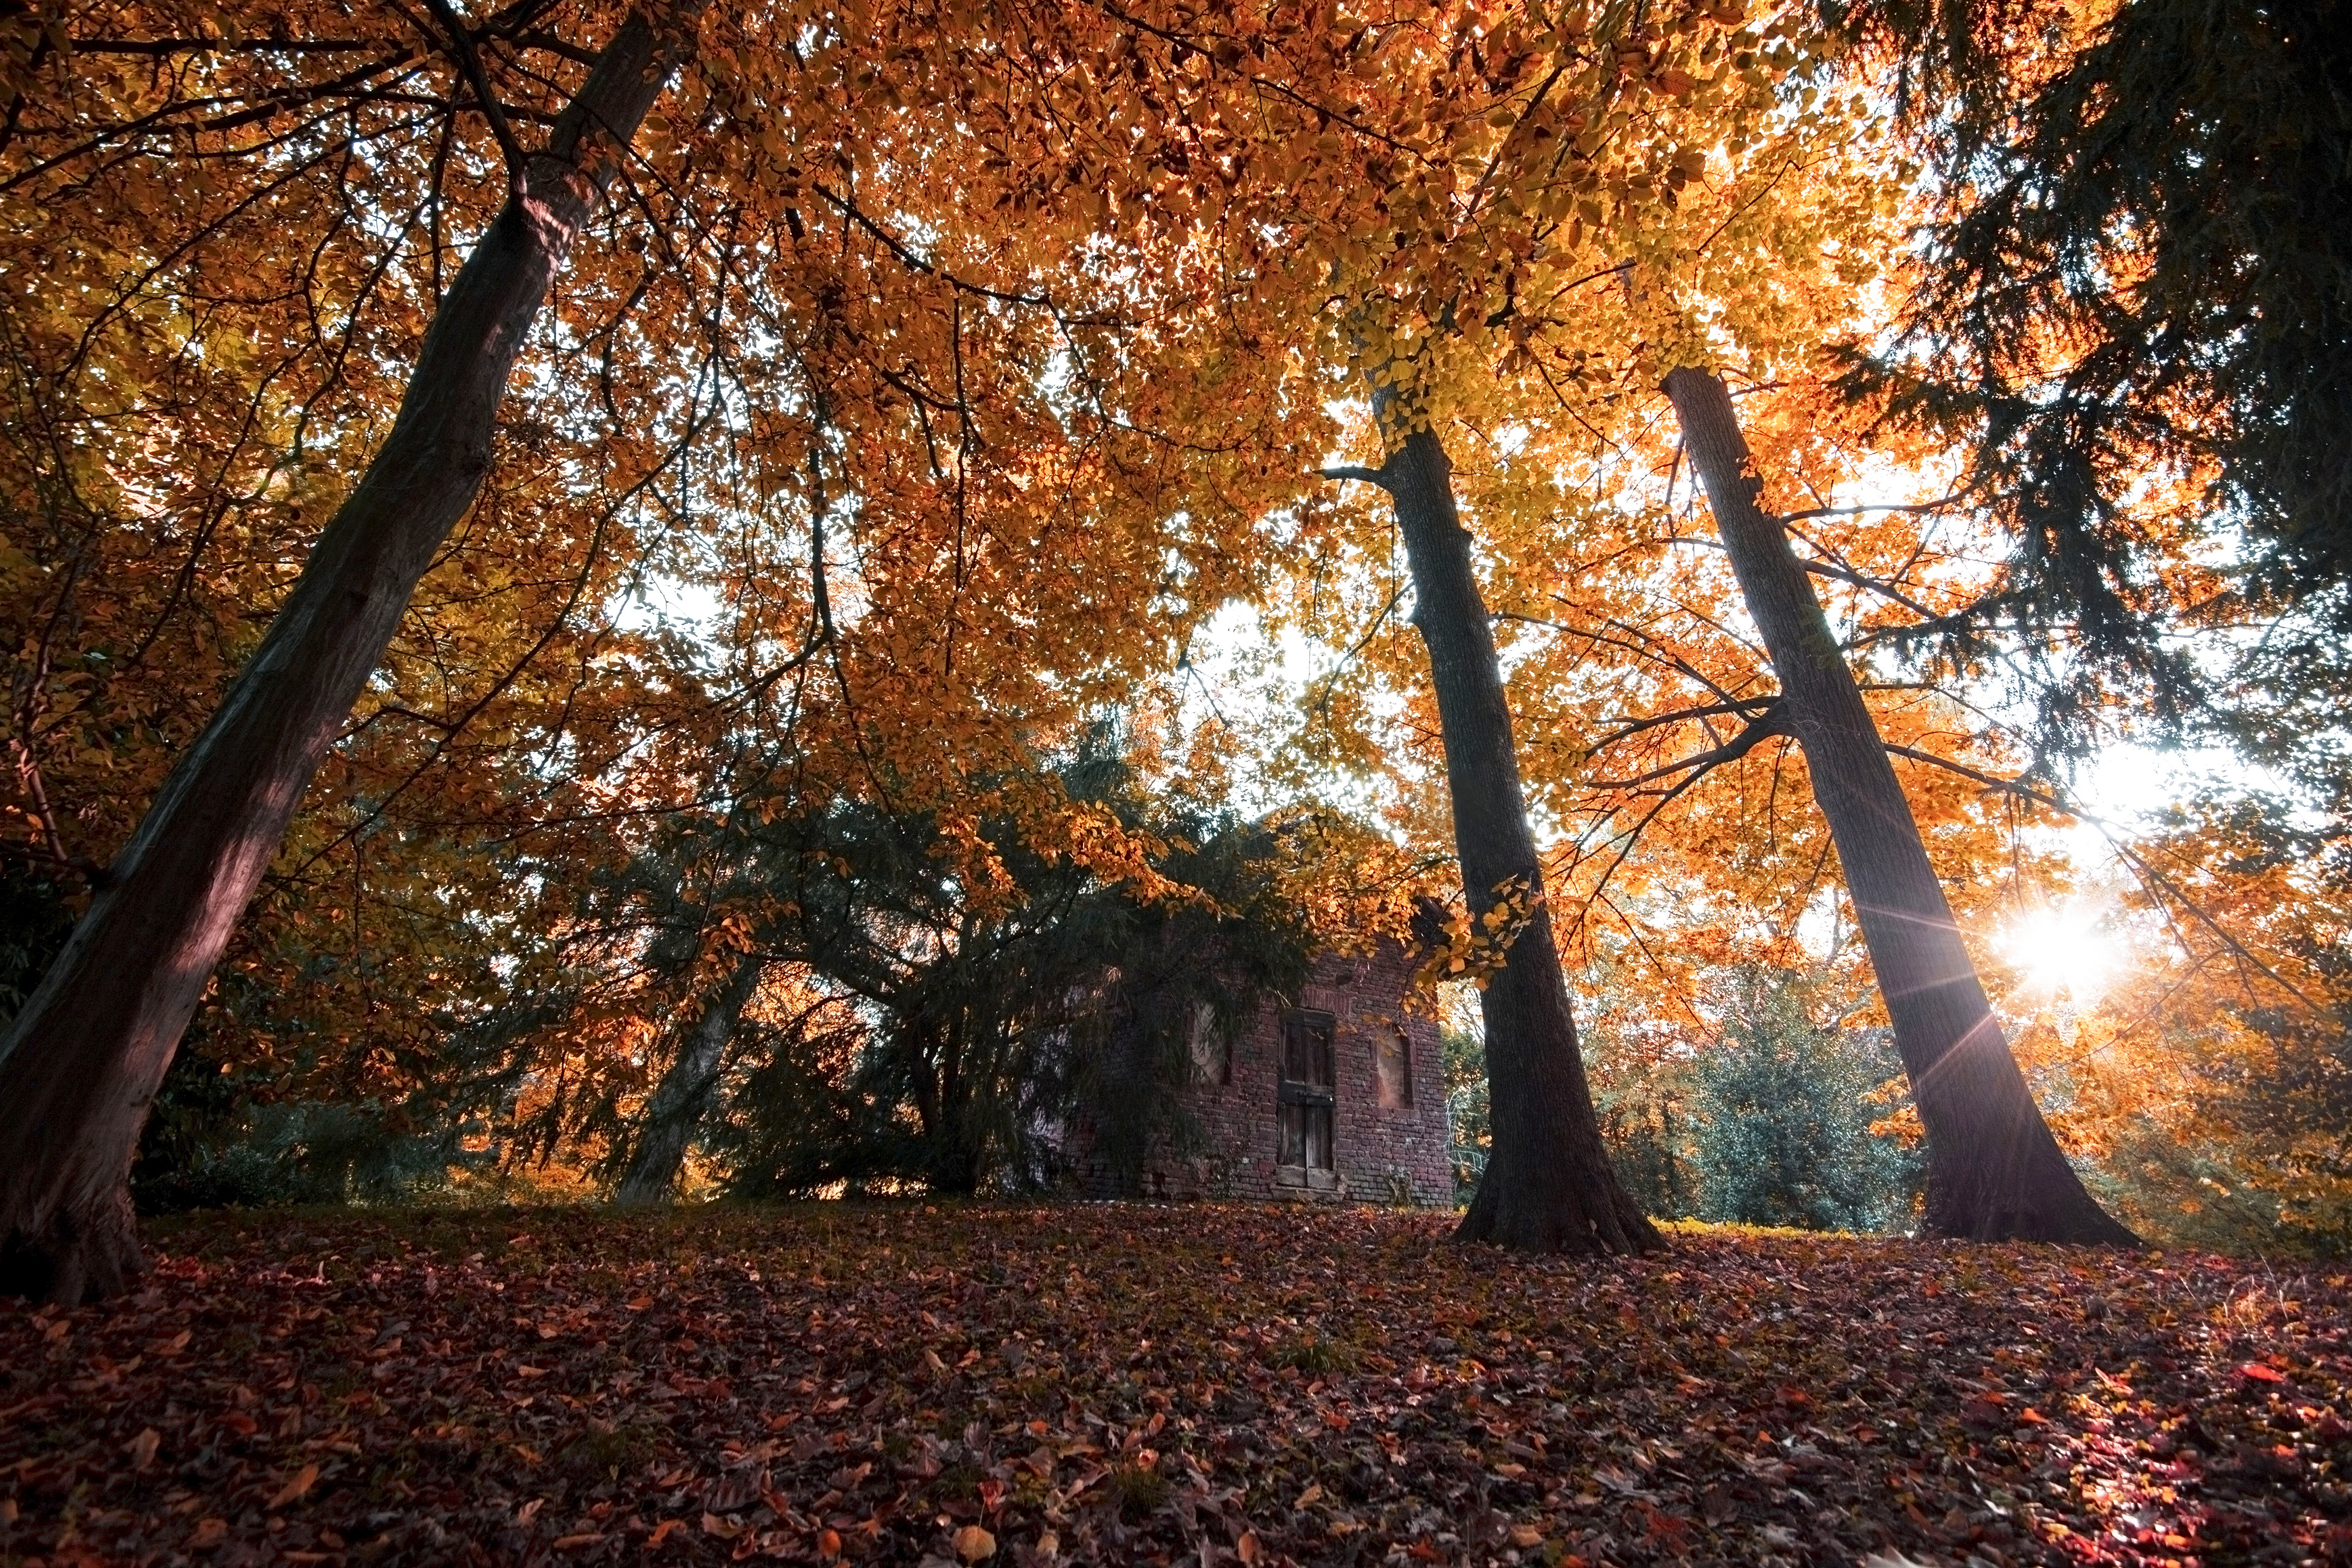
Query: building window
[(1392, 1067), (1303, 1093), (1213, 1047)]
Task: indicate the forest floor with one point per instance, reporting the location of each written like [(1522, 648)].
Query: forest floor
[(1199, 1385)]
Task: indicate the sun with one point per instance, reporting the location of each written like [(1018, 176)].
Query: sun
[(2063, 950)]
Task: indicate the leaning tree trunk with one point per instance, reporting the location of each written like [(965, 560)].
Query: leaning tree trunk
[(89, 1047), (676, 1107), (1994, 1173), (1547, 1185)]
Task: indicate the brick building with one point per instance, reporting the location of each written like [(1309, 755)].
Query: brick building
[(1340, 1097)]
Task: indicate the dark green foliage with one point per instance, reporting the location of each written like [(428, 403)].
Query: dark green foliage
[(1645, 1134), (995, 1028), (1465, 1107), (35, 921), (210, 1144), (2206, 146), (1781, 1116)]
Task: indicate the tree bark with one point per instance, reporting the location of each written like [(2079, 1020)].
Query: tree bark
[(676, 1107), (1994, 1172), (85, 1055), (1548, 1185)]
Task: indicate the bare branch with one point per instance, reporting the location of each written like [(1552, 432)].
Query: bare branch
[(1357, 473), (1772, 721), (469, 60)]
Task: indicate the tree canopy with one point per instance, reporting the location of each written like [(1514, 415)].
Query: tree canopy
[(907, 390)]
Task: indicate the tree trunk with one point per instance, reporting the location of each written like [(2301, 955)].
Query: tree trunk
[(1994, 1173), (87, 1051), (676, 1107), (1548, 1185)]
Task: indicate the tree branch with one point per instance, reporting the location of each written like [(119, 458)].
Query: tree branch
[(1361, 475), (1772, 721), (469, 60)]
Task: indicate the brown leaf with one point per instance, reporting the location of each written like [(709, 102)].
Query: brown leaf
[(304, 1479), (975, 1544)]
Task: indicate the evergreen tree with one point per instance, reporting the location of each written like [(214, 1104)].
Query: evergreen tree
[(2139, 270), (1782, 1115)]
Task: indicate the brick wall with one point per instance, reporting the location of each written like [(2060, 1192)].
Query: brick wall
[(1380, 1155)]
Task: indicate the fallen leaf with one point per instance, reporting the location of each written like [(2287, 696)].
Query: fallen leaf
[(664, 1530), (304, 1479), (142, 1449), (2260, 1373), (574, 1543), (975, 1544), (210, 1533)]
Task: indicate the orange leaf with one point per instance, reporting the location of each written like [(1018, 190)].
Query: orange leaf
[(304, 1479), (664, 1530)]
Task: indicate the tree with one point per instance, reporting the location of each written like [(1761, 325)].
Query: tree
[(2136, 311), (1994, 1172), (1998, 1170), (1548, 1185), (901, 404), (87, 1050), (1780, 1118), (677, 1105)]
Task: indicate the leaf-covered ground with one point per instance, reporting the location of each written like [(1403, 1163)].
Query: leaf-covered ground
[(1174, 1384)]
